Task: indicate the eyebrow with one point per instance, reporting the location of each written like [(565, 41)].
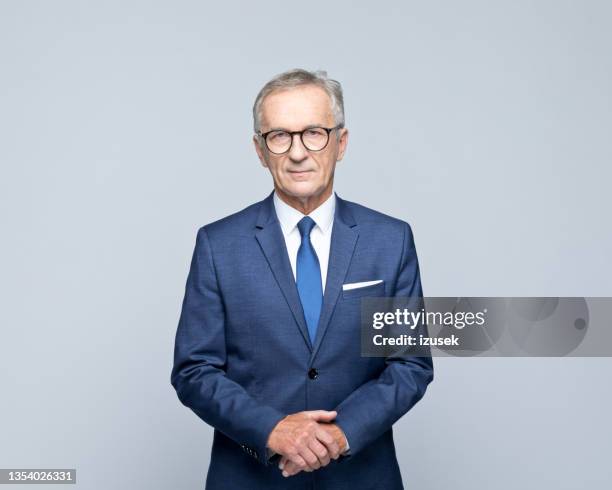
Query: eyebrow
[(310, 126)]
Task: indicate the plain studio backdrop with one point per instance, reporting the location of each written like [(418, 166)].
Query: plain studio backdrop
[(125, 126)]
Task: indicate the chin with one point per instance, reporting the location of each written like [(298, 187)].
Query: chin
[(303, 191)]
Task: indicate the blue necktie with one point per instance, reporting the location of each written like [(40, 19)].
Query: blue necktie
[(308, 279)]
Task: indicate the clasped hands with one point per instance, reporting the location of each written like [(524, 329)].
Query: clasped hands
[(307, 441)]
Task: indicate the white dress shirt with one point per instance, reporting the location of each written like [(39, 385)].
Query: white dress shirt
[(320, 236)]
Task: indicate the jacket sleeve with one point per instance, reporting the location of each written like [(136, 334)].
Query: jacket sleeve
[(199, 375), (375, 406)]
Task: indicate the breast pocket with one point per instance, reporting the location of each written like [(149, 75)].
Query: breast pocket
[(373, 290)]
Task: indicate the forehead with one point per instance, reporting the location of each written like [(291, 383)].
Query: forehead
[(296, 108)]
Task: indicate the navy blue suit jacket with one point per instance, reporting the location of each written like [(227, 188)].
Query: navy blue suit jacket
[(243, 354)]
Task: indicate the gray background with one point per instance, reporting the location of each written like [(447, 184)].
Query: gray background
[(126, 125)]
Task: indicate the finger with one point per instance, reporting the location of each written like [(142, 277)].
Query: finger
[(312, 462), (320, 451), (322, 415), (297, 460), (286, 468), (290, 470), (333, 448), (285, 463)]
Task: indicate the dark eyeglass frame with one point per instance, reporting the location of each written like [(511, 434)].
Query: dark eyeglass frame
[(301, 133)]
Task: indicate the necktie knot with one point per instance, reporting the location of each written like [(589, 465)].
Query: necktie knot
[(305, 226)]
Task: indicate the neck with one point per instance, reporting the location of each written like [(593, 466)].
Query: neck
[(304, 205)]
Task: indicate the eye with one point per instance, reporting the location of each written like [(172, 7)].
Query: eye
[(278, 136), (314, 132)]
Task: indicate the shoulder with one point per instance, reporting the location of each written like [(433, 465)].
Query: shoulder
[(234, 226), (372, 219), (387, 234)]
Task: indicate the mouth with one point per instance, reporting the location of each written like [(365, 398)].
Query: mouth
[(300, 175), (300, 172)]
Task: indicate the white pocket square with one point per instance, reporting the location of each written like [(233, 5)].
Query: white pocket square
[(356, 285)]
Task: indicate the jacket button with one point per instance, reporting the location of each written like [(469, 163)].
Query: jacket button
[(313, 373)]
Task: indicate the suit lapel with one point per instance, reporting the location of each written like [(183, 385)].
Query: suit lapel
[(272, 242), (343, 240)]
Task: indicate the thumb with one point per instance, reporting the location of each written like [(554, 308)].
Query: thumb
[(322, 415)]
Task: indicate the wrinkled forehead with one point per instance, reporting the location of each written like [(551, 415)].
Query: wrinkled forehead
[(295, 108)]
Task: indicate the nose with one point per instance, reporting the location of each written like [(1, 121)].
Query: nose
[(298, 152)]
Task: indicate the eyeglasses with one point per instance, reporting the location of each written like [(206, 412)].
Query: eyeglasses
[(313, 139)]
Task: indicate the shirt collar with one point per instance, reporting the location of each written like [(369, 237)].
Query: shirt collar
[(289, 217)]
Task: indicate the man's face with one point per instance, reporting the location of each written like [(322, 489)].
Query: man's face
[(301, 175)]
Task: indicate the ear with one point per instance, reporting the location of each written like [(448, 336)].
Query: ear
[(342, 143), (260, 151)]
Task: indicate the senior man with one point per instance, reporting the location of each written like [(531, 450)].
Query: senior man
[(268, 343)]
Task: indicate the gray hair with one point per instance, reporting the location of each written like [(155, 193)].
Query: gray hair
[(298, 77)]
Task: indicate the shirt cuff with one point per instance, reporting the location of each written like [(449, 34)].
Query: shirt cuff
[(347, 451)]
